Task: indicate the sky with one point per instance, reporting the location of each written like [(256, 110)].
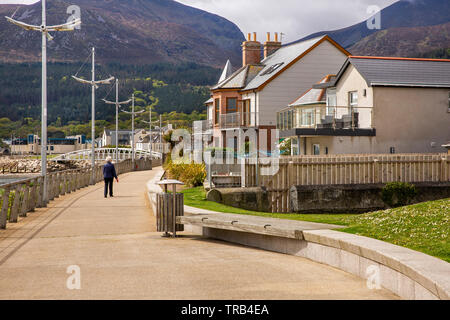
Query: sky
[(294, 18)]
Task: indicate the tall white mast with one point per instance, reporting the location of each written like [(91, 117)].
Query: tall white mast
[(44, 29), (117, 104), (94, 84), (132, 129)]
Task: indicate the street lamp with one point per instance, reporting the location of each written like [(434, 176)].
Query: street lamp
[(94, 84), (132, 128), (44, 29), (151, 135), (117, 104)]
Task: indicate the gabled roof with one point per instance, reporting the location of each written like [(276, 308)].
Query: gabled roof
[(252, 77), (240, 78), (312, 96), (285, 57), (209, 101), (400, 72), (227, 71)]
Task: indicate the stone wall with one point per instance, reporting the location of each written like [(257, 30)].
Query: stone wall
[(355, 198), (255, 199)]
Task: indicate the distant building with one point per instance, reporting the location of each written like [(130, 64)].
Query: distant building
[(32, 145), (124, 137)]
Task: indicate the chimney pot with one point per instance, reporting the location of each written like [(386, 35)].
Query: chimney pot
[(271, 46), (249, 37), (251, 51)]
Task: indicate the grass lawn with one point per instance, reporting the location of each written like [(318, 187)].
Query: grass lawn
[(423, 227)]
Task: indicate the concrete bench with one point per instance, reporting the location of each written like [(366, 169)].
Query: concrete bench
[(409, 274)]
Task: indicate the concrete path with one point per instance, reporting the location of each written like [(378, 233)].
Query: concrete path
[(120, 256)]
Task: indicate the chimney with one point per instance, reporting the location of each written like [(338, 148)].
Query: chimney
[(271, 46), (251, 51)]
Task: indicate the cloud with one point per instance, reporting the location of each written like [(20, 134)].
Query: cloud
[(295, 18), (18, 1)]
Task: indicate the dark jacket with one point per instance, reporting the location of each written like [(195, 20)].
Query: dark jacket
[(109, 171)]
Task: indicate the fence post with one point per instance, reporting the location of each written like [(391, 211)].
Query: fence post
[(442, 174), (33, 195), (376, 170), (5, 207), (15, 207)]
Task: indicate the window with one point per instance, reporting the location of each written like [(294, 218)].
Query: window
[(353, 100), (217, 106), (331, 102), (272, 68), (246, 119), (307, 117), (231, 105), (316, 149)]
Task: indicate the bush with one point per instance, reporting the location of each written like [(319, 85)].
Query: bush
[(397, 194), (192, 175)]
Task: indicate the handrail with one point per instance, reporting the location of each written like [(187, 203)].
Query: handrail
[(28, 193)]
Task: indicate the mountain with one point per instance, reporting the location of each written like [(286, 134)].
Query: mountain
[(405, 42), (124, 31), (408, 28)]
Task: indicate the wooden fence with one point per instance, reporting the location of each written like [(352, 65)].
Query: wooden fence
[(343, 169), (19, 198)]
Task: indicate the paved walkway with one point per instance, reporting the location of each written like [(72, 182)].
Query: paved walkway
[(120, 256)]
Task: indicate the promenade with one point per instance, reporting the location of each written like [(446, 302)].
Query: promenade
[(120, 256)]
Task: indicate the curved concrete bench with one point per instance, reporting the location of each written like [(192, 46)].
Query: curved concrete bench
[(409, 274)]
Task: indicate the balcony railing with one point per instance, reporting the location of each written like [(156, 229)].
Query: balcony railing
[(322, 117), (202, 125), (238, 120)]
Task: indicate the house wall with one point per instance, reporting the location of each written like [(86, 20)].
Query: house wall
[(322, 60), (353, 81), (407, 119), (223, 95), (411, 119)]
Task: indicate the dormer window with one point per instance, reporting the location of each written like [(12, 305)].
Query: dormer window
[(272, 68)]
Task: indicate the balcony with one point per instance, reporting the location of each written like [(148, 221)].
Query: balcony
[(326, 121), (237, 120), (202, 126)]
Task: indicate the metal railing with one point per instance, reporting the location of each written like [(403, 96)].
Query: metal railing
[(238, 120), (20, 197), (322, 117), (103, 153)]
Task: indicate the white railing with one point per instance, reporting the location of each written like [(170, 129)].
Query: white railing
[(103, 153)]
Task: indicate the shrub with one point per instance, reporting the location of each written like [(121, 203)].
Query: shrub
[(397, 194), (192, 175)]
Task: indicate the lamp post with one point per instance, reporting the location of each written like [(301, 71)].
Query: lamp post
[(94, 84), (132, 129), (117, 104), (44, 29)]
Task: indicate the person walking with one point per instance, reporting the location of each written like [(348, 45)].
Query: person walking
[(109, 173)]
